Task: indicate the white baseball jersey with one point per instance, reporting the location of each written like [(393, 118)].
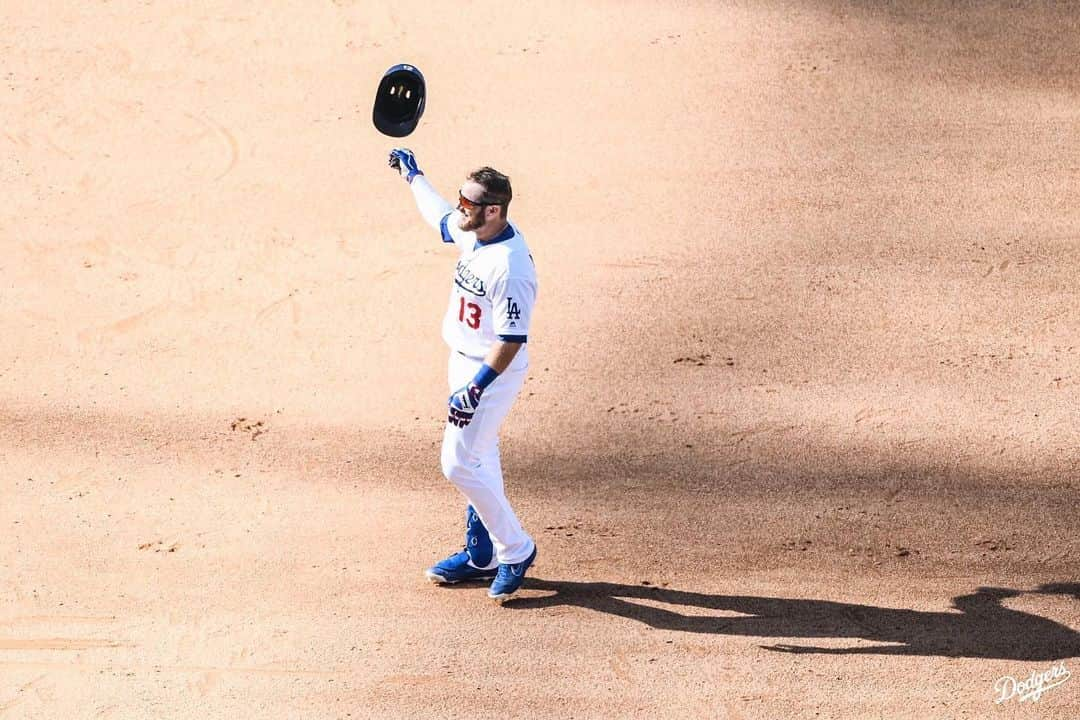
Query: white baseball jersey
[(493, 293)]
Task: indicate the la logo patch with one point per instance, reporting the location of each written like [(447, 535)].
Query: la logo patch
[(512, 311)]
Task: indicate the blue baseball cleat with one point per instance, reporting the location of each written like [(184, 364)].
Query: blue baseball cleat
[(457, 568), (510, 577)]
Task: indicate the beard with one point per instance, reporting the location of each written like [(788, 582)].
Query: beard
[(474, 223)]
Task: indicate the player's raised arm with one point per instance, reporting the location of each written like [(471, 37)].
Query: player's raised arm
[(433, 208)]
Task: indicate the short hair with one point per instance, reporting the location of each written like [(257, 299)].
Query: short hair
[(497, 190)]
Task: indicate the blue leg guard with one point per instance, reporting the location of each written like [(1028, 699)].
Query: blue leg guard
[(477, 541)]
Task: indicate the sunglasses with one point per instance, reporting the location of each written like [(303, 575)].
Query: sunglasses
[(470, 204)]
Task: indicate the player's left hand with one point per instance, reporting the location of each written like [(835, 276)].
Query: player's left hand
[(462, 404)]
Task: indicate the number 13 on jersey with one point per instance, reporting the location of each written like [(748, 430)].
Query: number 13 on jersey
[(473, 318)]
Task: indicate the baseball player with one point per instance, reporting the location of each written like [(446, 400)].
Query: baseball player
[(486, 326)]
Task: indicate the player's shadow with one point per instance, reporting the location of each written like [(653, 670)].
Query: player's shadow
[(981, 627)]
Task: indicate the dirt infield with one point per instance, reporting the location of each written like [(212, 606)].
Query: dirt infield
[(800, 437)]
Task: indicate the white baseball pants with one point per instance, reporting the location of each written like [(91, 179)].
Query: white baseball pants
[(470, 457)]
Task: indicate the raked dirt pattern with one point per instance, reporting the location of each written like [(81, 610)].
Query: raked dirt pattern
[(801, 433)]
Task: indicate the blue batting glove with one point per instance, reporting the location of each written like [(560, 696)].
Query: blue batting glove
[(404, 161), (462, 404)]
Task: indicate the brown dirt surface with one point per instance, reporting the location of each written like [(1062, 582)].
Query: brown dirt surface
[(800, 437)]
